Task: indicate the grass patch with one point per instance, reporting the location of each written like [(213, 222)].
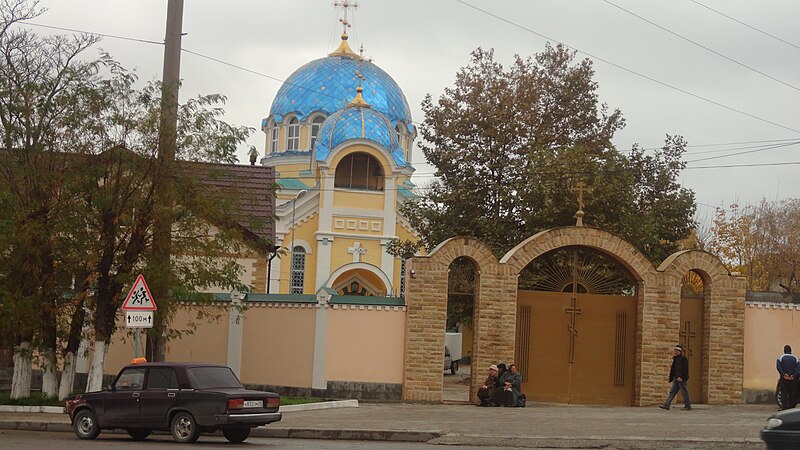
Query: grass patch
[(301, 400), (36, 399)]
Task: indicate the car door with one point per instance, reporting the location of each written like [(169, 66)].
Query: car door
[(159, 395), (122, 403)]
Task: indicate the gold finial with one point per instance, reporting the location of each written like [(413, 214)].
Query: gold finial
[(580, 188), (344, 49), (359, 99)]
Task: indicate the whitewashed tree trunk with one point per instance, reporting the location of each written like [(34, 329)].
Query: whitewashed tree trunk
[(95, 381), (23, 368), (68, 375), (49, 375)]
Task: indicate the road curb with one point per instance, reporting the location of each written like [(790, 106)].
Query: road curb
[(32, 409), (351, 435)]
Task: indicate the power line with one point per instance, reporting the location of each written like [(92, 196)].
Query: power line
[(631, 71), (772, 147), (680, 36), (111, 36), (745, 24)]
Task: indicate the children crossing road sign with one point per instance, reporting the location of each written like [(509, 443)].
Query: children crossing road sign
[(139, 298)]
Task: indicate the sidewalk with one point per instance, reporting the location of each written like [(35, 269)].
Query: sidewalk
[(539, 425)]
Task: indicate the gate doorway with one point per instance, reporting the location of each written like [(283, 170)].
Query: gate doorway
[(691, 332), (576, 329)]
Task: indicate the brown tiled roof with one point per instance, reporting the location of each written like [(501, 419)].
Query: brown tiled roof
[(251, 186)]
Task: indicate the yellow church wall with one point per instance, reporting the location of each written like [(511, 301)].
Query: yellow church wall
[(304, 231), (358, 199), (293, 171), (278, 345), (340, 257), (767, 328), (379, 337), (371, 226)]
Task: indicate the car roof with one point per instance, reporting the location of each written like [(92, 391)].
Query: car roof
[(176, 364)]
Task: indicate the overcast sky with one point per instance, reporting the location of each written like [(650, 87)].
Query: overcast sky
[(422, 44)]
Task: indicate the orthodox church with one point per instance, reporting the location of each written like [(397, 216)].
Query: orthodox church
[(339, 137)]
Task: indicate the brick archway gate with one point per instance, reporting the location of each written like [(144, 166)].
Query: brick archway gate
[(426, 315), (657, 312)]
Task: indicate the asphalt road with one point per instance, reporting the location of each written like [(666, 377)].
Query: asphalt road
[(23, 440)]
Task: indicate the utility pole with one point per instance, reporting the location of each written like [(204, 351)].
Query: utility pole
[(159, 265)]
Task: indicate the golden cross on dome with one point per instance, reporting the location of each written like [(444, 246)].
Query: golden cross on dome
[(345, 5)]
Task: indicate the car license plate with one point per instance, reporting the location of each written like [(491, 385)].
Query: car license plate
[(253, 403)]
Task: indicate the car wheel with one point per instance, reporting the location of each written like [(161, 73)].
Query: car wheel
[(139, 434), (236, 435), (184, 429), (779, 396), (454, 368), (85, 425)]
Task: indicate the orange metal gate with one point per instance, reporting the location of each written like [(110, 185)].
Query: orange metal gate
[(576, 348)]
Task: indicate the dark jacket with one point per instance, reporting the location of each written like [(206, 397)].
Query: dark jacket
[(787, 364), (680, 368)]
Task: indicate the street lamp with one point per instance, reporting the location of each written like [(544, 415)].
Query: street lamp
[(294, 202)]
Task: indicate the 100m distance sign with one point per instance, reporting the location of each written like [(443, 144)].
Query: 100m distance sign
[(139, 319)]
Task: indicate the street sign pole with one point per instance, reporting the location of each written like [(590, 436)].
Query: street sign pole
[(137, 339)]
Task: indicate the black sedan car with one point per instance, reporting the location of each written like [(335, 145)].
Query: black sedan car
[(185, 399), (783, 430)]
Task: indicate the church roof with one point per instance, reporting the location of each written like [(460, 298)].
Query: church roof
[(357, 122), (327, 85)]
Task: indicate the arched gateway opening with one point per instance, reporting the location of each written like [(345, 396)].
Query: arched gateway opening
[(576, 328)]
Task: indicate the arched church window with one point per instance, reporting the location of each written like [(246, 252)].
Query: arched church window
[(399, 132), (359, 171), (293, 134), (316, 123), (273, 138), (298, 270)]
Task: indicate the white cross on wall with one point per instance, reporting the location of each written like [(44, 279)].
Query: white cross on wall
[(356, 250)]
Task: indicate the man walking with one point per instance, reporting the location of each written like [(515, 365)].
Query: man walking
[(787, 368), (678, 374)]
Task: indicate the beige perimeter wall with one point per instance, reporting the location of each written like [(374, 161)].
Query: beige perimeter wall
[(365, 343), (768, 327)]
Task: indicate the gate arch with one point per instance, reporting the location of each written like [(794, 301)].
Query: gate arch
[(723, 347), (426, 306)]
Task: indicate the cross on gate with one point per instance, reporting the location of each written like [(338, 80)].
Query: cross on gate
[(580, 189), (357, 251), (573, 332), (686, 334)]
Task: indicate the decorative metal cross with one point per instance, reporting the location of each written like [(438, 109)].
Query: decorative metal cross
[(357, 251), (686, 335), (573, 310), (345, 5), (580, 188)]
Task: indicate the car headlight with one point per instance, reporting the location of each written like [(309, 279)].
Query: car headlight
[(774, 423)]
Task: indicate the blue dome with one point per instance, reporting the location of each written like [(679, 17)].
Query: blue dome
[(357, 122), (328, 84)]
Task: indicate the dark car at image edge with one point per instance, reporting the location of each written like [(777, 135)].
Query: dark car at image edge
[(185, 399), (783, 430)]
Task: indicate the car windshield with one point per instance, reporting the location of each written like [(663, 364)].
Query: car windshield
[(212, 377)]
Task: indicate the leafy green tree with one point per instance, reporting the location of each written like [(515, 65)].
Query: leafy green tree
[(41, 80), (510, 144)]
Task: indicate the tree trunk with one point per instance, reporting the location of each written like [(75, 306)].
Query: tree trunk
[(95, 381), (67, 375), (49, 375), (75, 342), (23, 367)]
